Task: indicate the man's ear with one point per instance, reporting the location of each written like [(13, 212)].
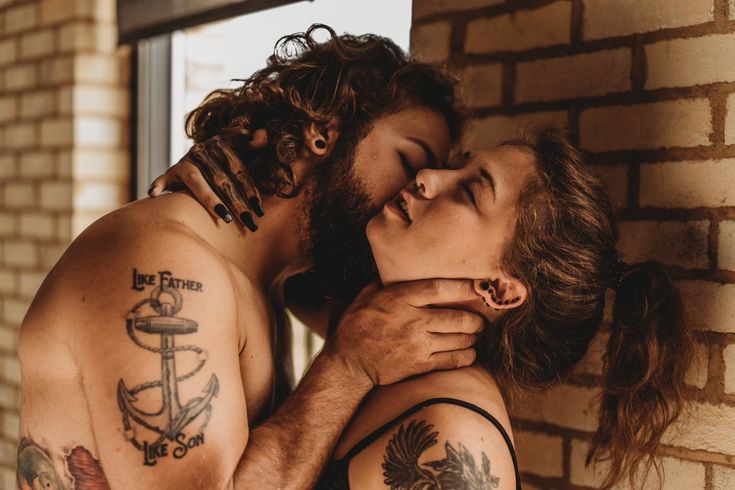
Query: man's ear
[(503, 292), (320, 138)]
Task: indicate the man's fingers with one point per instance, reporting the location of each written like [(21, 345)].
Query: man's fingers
[(438, 291), (452, 359), (447, 320), (444, 342)]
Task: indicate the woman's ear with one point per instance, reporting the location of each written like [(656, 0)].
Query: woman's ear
[(320, 138), (502, 293)]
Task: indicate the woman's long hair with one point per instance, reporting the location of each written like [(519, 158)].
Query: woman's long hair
[(564, 251)]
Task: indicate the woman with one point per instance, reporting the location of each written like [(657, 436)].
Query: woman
[(536, 230)]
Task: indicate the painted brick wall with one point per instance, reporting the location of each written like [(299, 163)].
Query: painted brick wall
[(64, 158), (648, 88)]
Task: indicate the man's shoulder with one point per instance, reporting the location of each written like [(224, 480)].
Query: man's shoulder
[(136, 230), (121, 259), (135, 237)]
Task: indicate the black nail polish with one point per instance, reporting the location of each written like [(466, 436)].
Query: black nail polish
[(221, 211), (485, 285), (247, 218), (150, 189), (256, 206)]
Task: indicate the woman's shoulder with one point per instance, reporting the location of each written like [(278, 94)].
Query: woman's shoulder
[(463, 394), (439, 425)]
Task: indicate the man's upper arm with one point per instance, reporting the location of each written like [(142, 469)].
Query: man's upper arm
[(158, 353), (441, 443)]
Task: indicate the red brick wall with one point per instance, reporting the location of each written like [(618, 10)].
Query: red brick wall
[(648, 88)]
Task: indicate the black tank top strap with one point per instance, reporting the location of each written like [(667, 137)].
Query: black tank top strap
[(375, 435)]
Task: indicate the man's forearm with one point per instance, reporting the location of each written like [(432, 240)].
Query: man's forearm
[(290, 449)]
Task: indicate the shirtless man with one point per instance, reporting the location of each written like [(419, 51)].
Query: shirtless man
[(148, 355)]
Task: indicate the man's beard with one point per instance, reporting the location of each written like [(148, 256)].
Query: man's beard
[(338, 209)]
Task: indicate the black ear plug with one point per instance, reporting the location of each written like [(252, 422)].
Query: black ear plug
[(321, 144)]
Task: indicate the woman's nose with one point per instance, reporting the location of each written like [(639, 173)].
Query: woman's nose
[(430, 182)]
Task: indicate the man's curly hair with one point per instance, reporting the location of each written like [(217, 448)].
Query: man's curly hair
[(354, 79)]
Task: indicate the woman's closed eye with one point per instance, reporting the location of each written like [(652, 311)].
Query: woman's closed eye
[(407, 167), (467, 188)]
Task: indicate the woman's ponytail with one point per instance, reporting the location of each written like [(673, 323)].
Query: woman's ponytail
[(648, 353)]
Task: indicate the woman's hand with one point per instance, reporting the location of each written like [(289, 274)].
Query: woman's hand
[(218, 179)]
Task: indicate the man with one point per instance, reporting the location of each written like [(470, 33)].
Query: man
[(149, 355)]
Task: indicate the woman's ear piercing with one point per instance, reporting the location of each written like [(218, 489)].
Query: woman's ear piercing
[(485, 285), (320, 143)]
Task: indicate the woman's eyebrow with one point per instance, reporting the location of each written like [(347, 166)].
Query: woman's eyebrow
[(431, 159), (489, 178)]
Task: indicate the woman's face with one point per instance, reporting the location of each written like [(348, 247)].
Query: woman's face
[(454, 223)]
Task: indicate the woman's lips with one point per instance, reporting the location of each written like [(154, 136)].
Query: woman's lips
[(394, 207)]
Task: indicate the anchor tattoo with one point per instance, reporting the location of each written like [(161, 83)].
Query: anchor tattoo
[(171, 421)]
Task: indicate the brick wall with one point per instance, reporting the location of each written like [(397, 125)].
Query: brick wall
[(64, 158), (648, 88)]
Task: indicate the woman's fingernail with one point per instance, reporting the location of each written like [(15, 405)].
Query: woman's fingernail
[(221, 211), (150, 189), (256, 206), (247, 218)]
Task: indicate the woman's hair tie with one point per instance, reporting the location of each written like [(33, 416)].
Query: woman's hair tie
[(617, 271)]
